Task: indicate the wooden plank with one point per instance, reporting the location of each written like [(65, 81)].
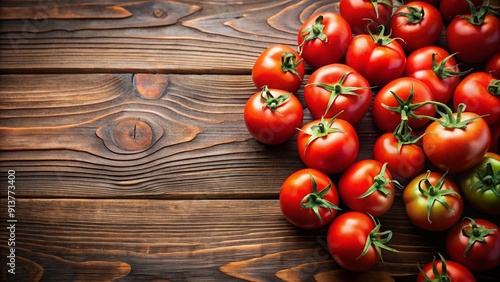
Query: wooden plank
[(206, 240)]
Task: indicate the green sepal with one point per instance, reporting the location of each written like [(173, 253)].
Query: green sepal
[(439, 277), (488, 180), (271, 102), (316, 200), (377, 240), (433, 193), (322, 129), (289, 63), (475, 234)]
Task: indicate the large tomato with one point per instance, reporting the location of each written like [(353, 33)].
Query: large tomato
[(445, 270), (329, 146), (474, 243), (308, 199), (272, 116), (358, 13), (418, 23), (338, 89), (355, 241), (432, 201), (323, 39), (450, 9), (279, 67), (367, 186), (404, 97)]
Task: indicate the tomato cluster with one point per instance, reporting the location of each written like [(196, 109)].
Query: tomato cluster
[(382, 56)]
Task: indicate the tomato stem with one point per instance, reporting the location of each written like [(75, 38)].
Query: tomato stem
[(270, 101), (289, 63), (477, 16), (439, 276), (381, 39), (433, 193), (494, 88), (379, 183), (375, 5), (321, 129), (488, 180), (313, 32), (316, 200), (444, 72), (377, 239), (414, 15), (475, 233), (403, 133)]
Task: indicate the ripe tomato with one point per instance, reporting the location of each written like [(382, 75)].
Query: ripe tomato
[(338, 89), (435, 67), (367, 186), (480, 184), (493, 66), (480, 92), (466, 35), (418, 23), (474, 243), (432, 201), (378, 58), (279, 67), (308, 199), (456, 141), (356, 13), (330, 147), (410, 94), (323, 39), (272, 116), (354, 241), (445, 270), (450, 9)]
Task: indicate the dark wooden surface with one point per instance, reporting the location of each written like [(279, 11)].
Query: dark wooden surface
[(123, 122)]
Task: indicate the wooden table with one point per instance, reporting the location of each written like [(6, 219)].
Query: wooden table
[(121, 124)]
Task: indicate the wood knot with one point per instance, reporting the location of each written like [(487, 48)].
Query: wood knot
[(150, 86), (159, 13)]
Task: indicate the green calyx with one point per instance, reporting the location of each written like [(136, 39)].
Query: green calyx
[(314, 32), (488, 180), (475, 233), (316, 200), (433, 193), (381, 39), (289, 63), (376, 2), (444, 72), (337, 89), (403, 133), (379, 183), (448, 119), (478, 15), (439, 277), (494, 88), (378, 240), (270, 101), (405, 108), (322, 129), (414, 15)]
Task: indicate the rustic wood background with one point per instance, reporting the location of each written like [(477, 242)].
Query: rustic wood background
[(123, 122)]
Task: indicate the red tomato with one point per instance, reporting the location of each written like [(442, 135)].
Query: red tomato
[(435, 67), (475, 38), (378, 58), (323, 39), (367, 186), (445, 270), (449, 9), (412, 93), (309, 199), (432, 2), (480, 92), (457, 141), (354, 241), (418, 24), (330, 147), (432, 201), (272, 116), (279, 67), (493, 66), (356, 13), (338, 89), (475, 243)]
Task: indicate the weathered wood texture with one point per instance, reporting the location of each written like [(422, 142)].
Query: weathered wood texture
[(123, 122)]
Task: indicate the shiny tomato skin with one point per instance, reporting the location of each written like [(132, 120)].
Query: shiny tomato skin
[(357, 179), (450, 9), (332, 153), (440, 218), (456, 150), (351, 108), (378, 64), (417, 35), (387, 120), (482, 256), (419, 65), (493, 66), (454, 270), (273, 127), (355, 12), (473, 92), (317, 52), (295, 188), (267, 69), (404, 164)]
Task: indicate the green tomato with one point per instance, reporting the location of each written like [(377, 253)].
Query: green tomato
[(480, 185)]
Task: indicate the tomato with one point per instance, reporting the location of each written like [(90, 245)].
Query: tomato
[(367, 186), (354, 241), (456, 141), (418, 24), (308, 199), (480, 92), (329, 146), (279, 67), (493, 66), (450, 9), (403, 96), (474, 243), (435, 67), (356, 13), (432, 2), (323, 39), (445, 270), (272, 116), (466, 35), (432, 201), (480, 185), (338, 89)]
